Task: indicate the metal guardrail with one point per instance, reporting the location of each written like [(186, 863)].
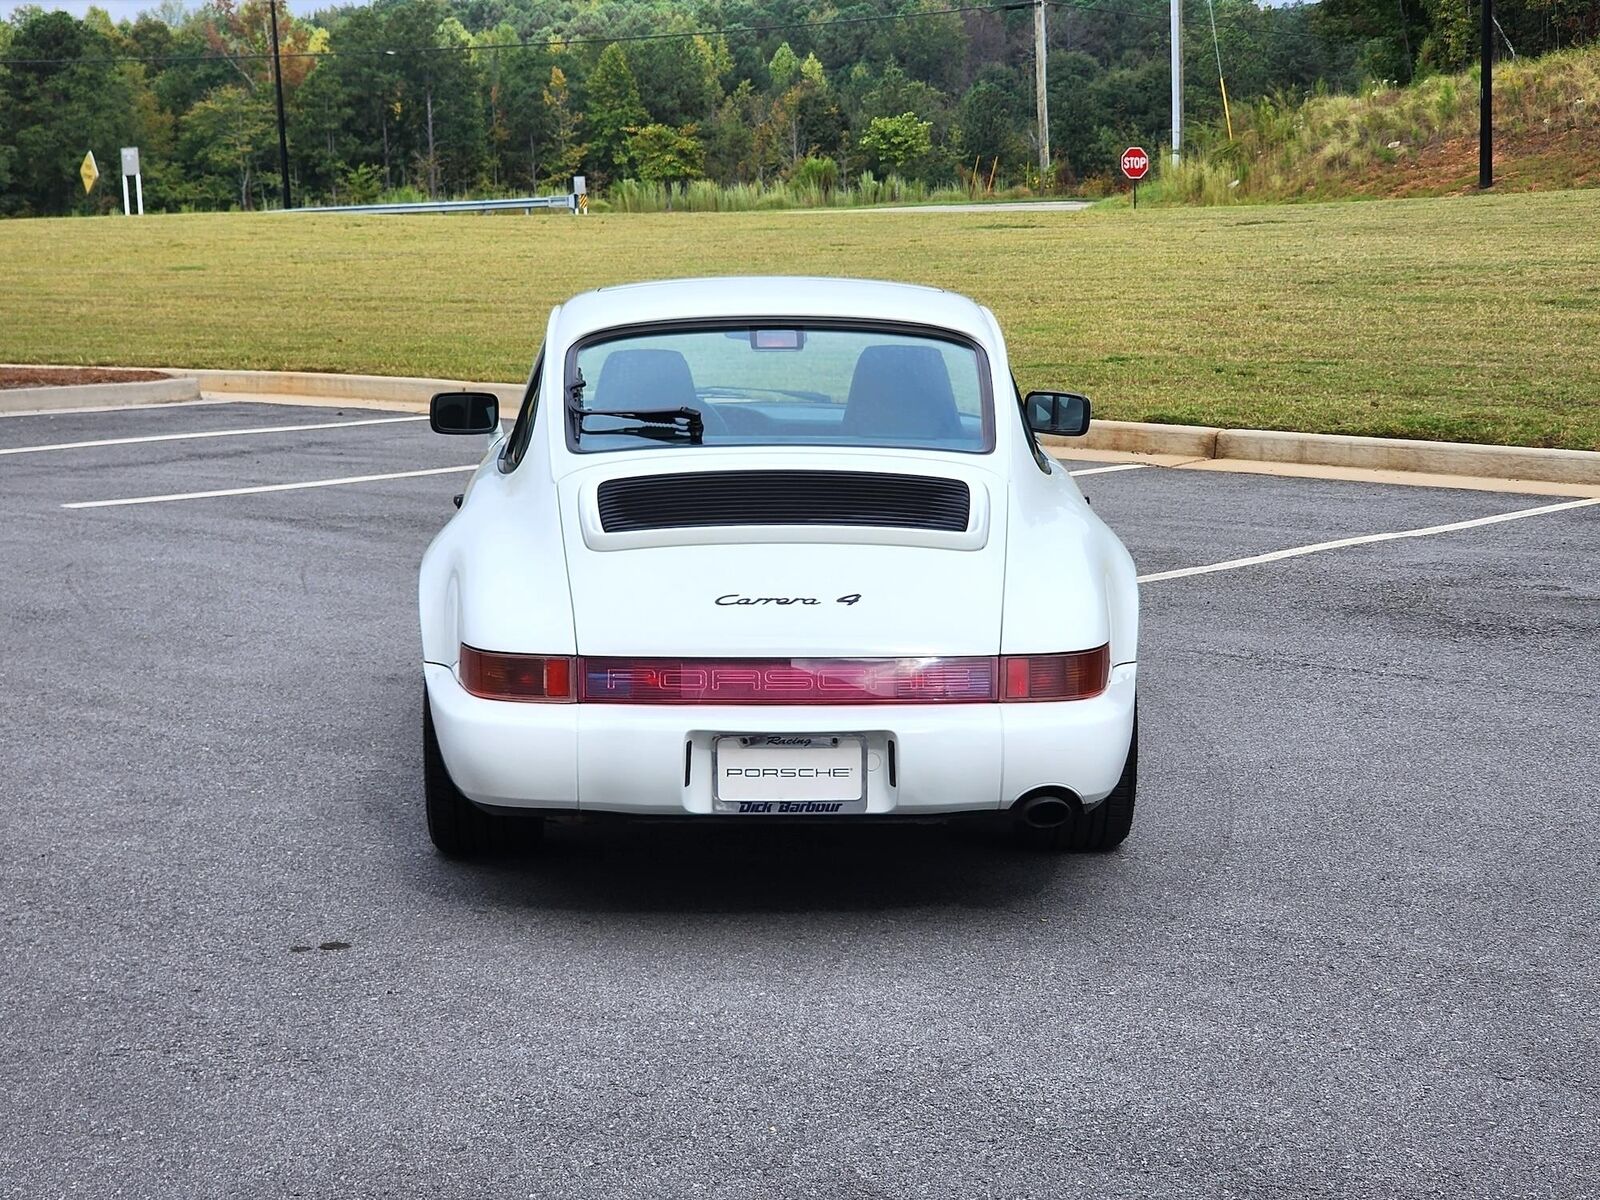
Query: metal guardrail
[(526, 203)]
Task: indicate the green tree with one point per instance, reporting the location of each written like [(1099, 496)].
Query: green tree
[(522, 125), (323, 139), (783, 68), (54, 110), (452, 151), (803, 120), (986, 123), (566, 153), (1386, 34), (613, 109), (420, 115), (359, 101), (730, 137), (895, 92), (224, 140), (933, 48), (679, 81), (898, 142), (666, 155)]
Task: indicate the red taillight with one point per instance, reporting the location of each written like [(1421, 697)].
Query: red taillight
[(801, 681), (1075, 676), (805, 681), (528, 677)]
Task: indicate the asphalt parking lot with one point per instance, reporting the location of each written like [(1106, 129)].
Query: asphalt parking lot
[(1348, 951)]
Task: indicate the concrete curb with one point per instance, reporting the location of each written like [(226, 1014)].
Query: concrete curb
[(1457, 459), (1135, 437), (1397, 454), (96, 395), (1173, 442), (388, 389)]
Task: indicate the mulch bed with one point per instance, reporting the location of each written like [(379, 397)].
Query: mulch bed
[(31, 377)]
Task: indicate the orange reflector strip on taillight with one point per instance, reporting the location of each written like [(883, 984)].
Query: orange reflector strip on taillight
[(1075, 676), (526, 677)]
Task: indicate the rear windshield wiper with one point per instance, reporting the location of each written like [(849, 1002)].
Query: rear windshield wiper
[(663, 424)]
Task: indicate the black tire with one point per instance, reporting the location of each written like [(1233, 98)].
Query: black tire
[(458, 827), (1107, 825)]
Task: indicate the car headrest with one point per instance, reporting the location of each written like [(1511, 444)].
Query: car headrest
[(901, 392), (643, 379)]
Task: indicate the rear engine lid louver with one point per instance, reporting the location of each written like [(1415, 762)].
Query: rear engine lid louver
[(703, 499)]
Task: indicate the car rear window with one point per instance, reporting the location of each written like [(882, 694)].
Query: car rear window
[(781, 384)]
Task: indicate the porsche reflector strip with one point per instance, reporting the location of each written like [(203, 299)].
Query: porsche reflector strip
[(788, 681), (798, 681)]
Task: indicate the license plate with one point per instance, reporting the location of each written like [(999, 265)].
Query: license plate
[(790, 774)]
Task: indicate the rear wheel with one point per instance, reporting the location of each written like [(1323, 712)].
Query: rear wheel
[(458, 827), (1107, 825)]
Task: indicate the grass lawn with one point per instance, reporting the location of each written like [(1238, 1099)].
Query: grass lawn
[(1475, 318)]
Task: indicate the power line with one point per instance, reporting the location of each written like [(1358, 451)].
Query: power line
[(546, 42), (1085, 6)]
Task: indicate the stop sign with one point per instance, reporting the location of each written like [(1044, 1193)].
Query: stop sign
[(1135, 162)]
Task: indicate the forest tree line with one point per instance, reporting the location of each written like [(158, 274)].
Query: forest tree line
[(484, 97)]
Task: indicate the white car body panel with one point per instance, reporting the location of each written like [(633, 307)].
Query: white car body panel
[(525, 567), (690, 570)]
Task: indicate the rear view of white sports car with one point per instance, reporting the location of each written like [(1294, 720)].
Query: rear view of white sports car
[(776, 549)]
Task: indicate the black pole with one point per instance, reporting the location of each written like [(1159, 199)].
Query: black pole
[(277, 79), (1486, 99)]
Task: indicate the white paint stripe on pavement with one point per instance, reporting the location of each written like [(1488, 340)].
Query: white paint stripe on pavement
[(1296, 551), (1103, 470), (270, 487), (207, 433)]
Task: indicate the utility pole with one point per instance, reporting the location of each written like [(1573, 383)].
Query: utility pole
[(1043, 105), (277, 80), (1177, 80), (1486, 98)]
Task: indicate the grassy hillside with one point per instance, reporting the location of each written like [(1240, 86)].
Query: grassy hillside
[(1475, 318), (1420, 140)]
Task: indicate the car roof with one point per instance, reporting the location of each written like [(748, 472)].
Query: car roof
[(781, 296)]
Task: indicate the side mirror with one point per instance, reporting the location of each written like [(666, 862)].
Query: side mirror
[(464, 412), (1065, 414)]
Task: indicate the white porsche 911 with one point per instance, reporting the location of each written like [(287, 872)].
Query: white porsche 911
[(776, 548)]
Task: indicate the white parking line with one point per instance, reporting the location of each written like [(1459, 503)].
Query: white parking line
[(270, 487), (1316, 548), (1103, 470), (207, 433)]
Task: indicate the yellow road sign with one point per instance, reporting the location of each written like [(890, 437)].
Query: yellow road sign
[(88, 172)]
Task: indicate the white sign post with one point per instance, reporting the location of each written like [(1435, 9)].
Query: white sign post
[(580, 195), (130, 166)]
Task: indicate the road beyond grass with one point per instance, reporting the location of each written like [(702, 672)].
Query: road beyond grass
[(1470, 319)]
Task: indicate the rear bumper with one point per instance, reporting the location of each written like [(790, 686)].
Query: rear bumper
[(656, 760)]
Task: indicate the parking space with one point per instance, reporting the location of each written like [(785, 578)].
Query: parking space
[(1348, 951), (232, 448), (29, 433)]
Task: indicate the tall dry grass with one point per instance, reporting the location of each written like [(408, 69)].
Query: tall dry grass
[(812, 190), (1318, 147)]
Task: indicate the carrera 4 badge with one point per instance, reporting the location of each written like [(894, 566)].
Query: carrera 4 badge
[(733, 599)]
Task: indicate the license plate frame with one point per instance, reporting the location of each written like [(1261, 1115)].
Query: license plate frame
[(795, 795)]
